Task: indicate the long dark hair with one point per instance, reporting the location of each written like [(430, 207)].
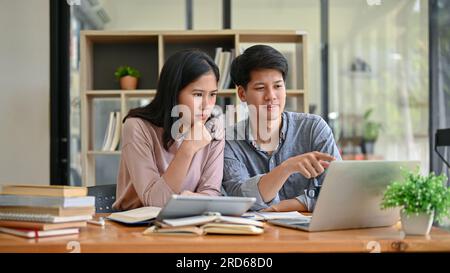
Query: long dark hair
[(181, 69)]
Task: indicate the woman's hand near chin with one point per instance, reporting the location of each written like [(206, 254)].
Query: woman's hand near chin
[(197, 138)]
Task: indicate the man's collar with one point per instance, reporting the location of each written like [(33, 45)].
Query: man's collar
[(249, 135)]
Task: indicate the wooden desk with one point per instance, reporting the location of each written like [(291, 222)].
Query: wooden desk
[(114, 237)]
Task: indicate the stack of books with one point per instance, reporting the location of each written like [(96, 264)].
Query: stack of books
[(40, 211)]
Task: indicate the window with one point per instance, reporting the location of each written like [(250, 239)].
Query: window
[(378, 62)]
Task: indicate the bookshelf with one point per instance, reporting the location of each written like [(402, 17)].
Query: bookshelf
[(103, 51)]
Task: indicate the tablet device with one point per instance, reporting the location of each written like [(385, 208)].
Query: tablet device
[(192, 205)]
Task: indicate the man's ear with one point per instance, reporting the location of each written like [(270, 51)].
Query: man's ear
[(241, 93)]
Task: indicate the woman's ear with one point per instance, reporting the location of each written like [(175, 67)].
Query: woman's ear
[(241, 93)]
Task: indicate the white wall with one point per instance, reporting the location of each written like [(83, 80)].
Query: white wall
[(286, 14), (207, 14), (162, 14), (24, 92), (145, 14)]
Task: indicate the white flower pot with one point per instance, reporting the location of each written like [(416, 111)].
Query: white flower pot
[(417, 224)]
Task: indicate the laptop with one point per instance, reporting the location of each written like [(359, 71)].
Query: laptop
[(193, 205), (351, 195)]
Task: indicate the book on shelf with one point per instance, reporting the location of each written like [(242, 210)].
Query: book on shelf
[(112, 133), (10, 200), (217, 55), (207, 224), (39, 233), (223, 60), (109, 132), (117, 132), (221, 65), (41, 225), (227, 80), (54, 211), (224, 68), (42, 190), (135, 216)]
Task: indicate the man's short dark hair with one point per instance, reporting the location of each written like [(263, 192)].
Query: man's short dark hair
[(255, 58)]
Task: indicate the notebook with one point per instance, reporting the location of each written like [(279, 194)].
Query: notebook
[(38, 233), (55, 211), (135, 216), (46, 201), (45, 218), (40, 190), (203, 219), (224, 228), (209, 228), (40, 225), (185, 230)]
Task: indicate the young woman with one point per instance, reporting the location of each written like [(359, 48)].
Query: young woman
[(160, 159)]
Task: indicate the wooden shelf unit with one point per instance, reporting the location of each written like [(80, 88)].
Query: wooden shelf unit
[(103, 51)]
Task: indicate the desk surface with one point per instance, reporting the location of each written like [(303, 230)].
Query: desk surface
[(114, 237)]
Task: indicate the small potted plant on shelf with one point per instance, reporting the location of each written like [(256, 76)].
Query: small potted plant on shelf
[(422, 198), (128, 77), (371, 130)]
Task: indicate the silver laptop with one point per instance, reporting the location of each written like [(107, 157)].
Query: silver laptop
[(192, 205), (351, 195)]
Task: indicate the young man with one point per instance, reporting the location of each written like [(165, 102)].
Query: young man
[(278, 157)]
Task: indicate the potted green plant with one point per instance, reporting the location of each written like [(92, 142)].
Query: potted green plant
[(371, 131), (422, 198), (128, 77)]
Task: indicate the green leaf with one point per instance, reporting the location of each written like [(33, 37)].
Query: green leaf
[(419, 193), (125, 70)]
